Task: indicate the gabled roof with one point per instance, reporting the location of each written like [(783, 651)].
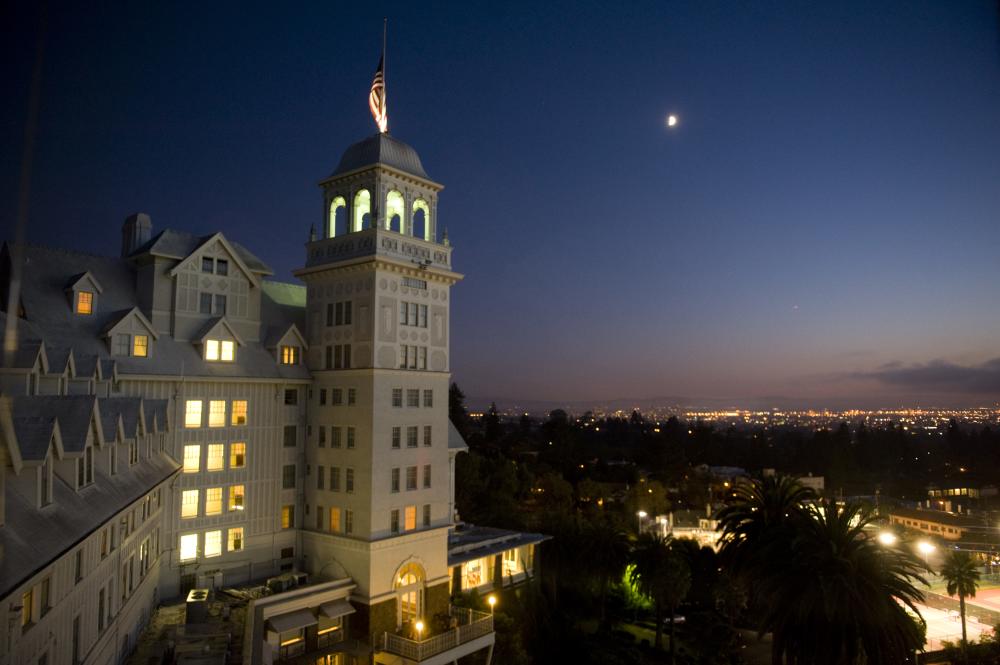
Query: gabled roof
[(215, 324), (61, 360), (130, 409), (86, 366), (75, 413), (81, 282), (119, 317), (157, 414), (233, 254), (277, 337)]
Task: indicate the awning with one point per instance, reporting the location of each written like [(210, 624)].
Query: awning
[(292, 621), (336, 608)]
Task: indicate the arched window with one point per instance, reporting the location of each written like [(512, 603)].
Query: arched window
[(362, 210), (421, 225), (394, 209), (337, 224), (409, 586)]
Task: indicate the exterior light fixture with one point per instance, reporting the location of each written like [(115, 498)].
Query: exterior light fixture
[(420, 629), (887, 538), (492, 600)]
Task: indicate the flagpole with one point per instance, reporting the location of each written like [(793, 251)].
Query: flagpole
[(385, 89)]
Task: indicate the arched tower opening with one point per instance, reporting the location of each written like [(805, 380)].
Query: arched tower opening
[(337, 222), (394, 210), (362, 210), (421, 226)]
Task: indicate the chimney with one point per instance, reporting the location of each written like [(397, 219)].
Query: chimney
[(136, 231)]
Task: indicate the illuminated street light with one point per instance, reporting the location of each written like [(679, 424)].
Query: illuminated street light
[(642, 516), (420, 629), (887, 538), (492, 600), (925, 547)]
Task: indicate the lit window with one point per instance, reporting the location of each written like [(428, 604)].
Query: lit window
[(213, 543), (211, 349), (236, 497), (140, 346), (289, 355), (287, 517), (216, 457), (213, 501), (217, 413), (192, 459), (84, 302), (335, 519), (27, 600), (189, 504), (410, 518), (236, 539), (237, 455), (224, 350), (239, 412), (228, 351), (189, 546), (192, 413)]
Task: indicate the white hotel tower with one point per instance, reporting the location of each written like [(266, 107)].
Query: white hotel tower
[(379, 501)]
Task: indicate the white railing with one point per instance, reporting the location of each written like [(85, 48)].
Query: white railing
[(471, 625)]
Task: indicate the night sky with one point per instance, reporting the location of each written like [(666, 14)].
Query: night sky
[(822, 226)]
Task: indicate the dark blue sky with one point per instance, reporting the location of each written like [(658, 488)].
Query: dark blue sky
[(822, 225)]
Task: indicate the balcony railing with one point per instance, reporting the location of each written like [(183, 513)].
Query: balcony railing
[(471, 625)]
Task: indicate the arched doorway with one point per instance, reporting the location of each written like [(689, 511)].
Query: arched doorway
[(409, 586)]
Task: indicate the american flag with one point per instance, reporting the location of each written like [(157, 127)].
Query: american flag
[(376, 99)]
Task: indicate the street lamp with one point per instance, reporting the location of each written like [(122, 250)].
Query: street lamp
[(642, 516), (420, 629), (492, 600), (925, 548), (887, 538)]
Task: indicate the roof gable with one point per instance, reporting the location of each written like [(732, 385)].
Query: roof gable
[(84, 282), (290, 337), (215, 325), (230, 250), (134, 313)]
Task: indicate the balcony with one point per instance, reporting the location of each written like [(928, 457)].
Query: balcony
[(473, 632)]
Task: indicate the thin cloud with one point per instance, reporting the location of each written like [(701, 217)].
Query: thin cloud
[(940, 376)]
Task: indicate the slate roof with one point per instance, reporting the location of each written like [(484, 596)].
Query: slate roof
[(381, 149), (180, 244), (50, 317), (74, 413)]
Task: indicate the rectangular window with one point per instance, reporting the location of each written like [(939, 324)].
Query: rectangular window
[(335, 437), (211, 349), (291, 434), (122, 344), (140, 346), (421, 357), (322, 396), (291, 396), (336, 397), (84, 302), (288, 477), (352, 396), (397, 397), (396, 436), (328, 359), (334, 478), (339, 316), (217, 413), (394, 521), (342, 356), (411, 478), (236, 497), (322, 436), (427, 514), (415, 283), (213, 543), (335, 520), (349, 481), (403, 356), (78, 567), (428, 398), (287, 517), (239, 416), (100, 611), (394, 486), (207, 265), (227, 351), (412, 398), (319, 518), (411, 436), (422, 317), (289, 355), (221, 267), (205, 303), (427, 435), (192, 459), (216, 457), (27, 603), (427, 476), (411, 518), (192, 413), (236, 539), (220, 306), (189, 504), (348, 521), (237, 455), (350, 437), (320, 477)]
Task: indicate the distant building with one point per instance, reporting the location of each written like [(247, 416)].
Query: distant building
[(949, 526)]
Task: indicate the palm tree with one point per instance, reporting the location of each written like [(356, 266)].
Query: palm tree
[(608, 549), (962, 575), (842, 597), (757, 528), (661, 573)]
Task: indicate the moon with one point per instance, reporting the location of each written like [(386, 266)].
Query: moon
[(671, 120)]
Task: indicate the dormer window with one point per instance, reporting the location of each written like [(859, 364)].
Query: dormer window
[(84, 302), (220, 350), (131, 345), (140, 346), (289, 355)]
